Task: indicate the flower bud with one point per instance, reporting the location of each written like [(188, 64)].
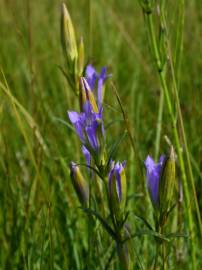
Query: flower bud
[(117, 190), (79, 183), (86, 94), (81, 58), (167, 182), (68, 37), (153, 174)]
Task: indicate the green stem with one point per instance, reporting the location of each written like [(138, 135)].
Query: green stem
[(157, 256), (159, 125), (123, 256), (187, 155), (175, 69), (150, 25)]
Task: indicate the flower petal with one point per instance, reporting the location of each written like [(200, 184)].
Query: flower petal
[(73, 116), (86, 154), (91, 76), (91, 134)]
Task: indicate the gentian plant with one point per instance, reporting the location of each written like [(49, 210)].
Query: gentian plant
[(89, 126), (109, 204)]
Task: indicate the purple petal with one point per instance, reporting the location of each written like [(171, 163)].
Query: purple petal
[(91, 76), (79, 131), (77, 120), (124, 164), (102, 78), (87, 109), (90, 71), (162, 159), (116, 170), (103, 74), (86, 154), (91, 134), (73, 116)]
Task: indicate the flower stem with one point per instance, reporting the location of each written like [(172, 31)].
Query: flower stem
[(156, 257)]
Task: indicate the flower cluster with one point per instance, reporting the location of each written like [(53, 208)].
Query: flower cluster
[(89, 126), (88, 123)]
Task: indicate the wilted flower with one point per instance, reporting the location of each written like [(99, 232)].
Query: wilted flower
[(153, 174), (86, 94), (79, 183)]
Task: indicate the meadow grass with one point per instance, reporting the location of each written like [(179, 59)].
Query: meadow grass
[(155, 59)]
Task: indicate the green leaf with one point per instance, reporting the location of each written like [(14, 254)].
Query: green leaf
[(176, 235), (148, 232), (114, 147), (145, 222), (102, 221), (64, 123), (92, 168)]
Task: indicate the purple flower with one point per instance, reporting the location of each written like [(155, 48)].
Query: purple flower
[(117, 191), (117, 174), (89, 126), (153, 174), (93, 77)]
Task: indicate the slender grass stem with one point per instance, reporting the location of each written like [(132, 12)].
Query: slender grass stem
[(187, 155), (176, 79), (90, 28), (154, 46), (159, 125)]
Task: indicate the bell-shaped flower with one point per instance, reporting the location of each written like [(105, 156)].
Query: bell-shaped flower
[(153, 174)]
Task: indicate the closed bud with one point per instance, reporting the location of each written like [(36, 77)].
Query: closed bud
[(167, 183), (86, 94), (68, 38), (79, 183), (117, 190)]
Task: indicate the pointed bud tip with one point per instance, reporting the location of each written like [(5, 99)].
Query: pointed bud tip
[(172, 153), (79, 183), (64, 11)]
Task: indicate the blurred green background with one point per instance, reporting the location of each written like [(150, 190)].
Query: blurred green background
[(41, 226)]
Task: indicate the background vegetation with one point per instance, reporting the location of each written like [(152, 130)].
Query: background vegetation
[(41, 226)]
